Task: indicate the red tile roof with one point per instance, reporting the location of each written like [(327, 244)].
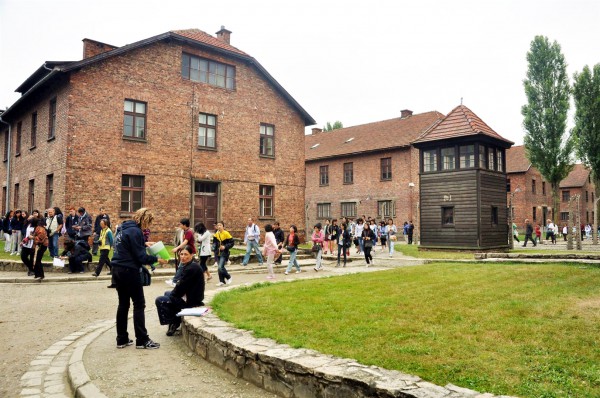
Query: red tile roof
[(392, 133), (516, 160), (460, 122), (576, 178), (203, 37)]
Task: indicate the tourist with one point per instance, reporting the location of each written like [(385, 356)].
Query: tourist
[(7, 231), (203, 237), (54, 223), (326, 234), (391, 232), (188, 240), (538, 233), (40, 241), (528, 234), (318, 238), (588, 231), (333, 236), (97, 229), (565, 231), (70, 222), (188, 292), (105, 242), (550, 235), (84, 225), (515, 232), (369, 240), (344, 242), (280, 239), (292, 247), (127, 262), (223, 243), (27, 250), (15, 238), (405, 231), (410, 230), (270, 250), (251, 238), (382, 237), (77, 253), (373, 226), (358, 230)]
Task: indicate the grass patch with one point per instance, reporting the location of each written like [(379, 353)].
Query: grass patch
[(525, 330), (413, 251)]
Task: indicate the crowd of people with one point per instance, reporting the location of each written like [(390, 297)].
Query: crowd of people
[(552, 231)]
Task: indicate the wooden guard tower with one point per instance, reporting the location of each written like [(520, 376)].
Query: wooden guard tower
[(462, 184)]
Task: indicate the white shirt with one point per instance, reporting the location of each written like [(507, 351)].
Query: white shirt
[(28, 233), (359, 229)]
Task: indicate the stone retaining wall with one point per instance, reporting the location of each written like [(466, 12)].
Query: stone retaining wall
[(302, 373)]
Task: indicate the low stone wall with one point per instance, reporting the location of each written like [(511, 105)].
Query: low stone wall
[(549, 256), (302, 373)]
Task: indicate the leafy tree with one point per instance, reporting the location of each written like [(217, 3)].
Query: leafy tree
[(336, 125), (548, 145)]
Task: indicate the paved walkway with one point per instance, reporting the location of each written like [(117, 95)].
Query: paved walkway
[(88, 361)]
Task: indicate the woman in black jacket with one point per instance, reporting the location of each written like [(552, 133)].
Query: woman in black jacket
[(292, 243), (344, 242), (190, 286), (6, 230), (369, 240)]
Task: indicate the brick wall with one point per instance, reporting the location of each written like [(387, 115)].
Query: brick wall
[(524, 201)]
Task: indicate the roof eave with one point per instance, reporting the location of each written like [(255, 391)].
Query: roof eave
[(31, 90), (356, 153)]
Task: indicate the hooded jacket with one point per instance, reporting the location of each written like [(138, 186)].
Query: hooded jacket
[(129, 248)]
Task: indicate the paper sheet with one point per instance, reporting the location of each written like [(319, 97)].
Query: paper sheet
[(197, 311), (57, 262)]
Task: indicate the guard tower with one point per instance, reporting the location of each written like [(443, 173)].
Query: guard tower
[(462, 184)]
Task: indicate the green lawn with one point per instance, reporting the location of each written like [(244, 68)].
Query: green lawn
[(524, 330), (413, 251)]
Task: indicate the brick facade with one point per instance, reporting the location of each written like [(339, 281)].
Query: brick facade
[(90, 155), (524, 201)]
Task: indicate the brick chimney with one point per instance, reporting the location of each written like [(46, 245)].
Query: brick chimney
[(316, 130), (404, 113), (224, 35), (92, 48)]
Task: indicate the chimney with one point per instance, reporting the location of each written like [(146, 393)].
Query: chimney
[(224, 35), (404, 113), (316, 130), (91, 48)]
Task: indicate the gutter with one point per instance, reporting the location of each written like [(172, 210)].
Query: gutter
[(7, 165)]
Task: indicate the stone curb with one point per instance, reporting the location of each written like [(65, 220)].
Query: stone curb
[(296, 373)]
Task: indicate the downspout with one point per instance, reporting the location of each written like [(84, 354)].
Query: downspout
[(7, 166)]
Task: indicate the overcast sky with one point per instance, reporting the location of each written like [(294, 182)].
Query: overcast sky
[(347, 60)]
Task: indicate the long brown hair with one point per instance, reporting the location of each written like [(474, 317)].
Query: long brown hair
[(143, 217)]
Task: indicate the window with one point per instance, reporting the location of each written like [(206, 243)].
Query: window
[(533, 187), (267, 140), (467, 156), (508, 185), (482, 155), (204, 71), (6, 145), (324, 175), (266, 201), (386, 169), (52, 119), (33, 129), (494, 215), (587, 198), (323, 210), (448, 161), (207, 130), (499, 163), (385, 208), (491, 156), (19, 137), (587, 217), (348, 209), (134, 124), (132, 193), (544, 188), (4, 209), (564, 216), (31, 196), (534, 213), (49, 190), (566, 196), (348, 173), (448, 216), (16, 197), (430, 160)]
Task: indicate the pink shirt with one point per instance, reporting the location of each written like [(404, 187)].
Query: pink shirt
[(270, 243), (318, 237)]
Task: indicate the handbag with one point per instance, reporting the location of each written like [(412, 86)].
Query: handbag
[(291, 248), (347, 244), (145, 276), (316, 248), (368, 244)]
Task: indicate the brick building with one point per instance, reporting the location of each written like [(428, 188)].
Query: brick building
[(370, 169), (182, 122), (532, 194)]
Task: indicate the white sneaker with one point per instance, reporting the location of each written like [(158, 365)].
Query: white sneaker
[(286, 273), (170, 282), (390, 254), (228, 281), (298, 271), (372, 262), (220, 284), (316, 269)]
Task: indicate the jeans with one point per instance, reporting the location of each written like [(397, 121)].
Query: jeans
[(528, 238), (223, 274), (129, 287), (168, 306), (53, 245), (341, 249), (252, 245), (361, 244), (7, 242), (103, 260), (15, 240), (391, 244), (319, 255), (38, 269), (95, 244), (293, 261)]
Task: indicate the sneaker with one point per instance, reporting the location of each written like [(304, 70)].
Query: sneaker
[(390, 254), (316, 269), (112, 286), (172, 329), (270, 277), (220, 284), (286, 273), (228, 281), (298, 271), (372, 262), (170, 282), (244, 265), (368, 265), (95, 274), (130, 342), (148, 345)]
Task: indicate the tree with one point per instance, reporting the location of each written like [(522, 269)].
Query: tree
[(336, 125), (549, 147), (586, 92)]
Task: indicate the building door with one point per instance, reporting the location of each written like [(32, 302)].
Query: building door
[(206, 203), (544, 215)]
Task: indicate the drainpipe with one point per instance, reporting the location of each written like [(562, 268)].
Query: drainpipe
[(7, 165)]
